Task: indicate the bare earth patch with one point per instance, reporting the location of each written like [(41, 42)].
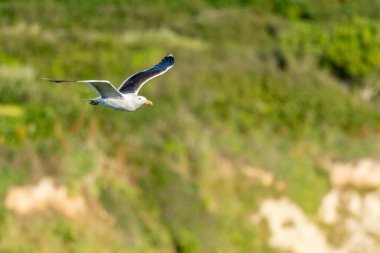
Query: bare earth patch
[(290, 229), (44, 195), (363, 174)]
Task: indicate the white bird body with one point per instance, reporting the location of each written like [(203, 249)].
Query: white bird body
[(124, 103), (125, 98)]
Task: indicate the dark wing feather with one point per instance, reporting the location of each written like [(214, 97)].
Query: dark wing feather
[(103, 87), (134, 83)]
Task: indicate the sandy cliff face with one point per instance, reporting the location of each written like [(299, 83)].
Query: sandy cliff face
[(348, 216)]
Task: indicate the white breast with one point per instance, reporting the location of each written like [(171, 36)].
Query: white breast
[(124, 104)]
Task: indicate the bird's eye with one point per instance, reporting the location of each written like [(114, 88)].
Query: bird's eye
[(139, 98)]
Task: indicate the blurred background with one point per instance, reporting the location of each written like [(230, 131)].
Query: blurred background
[(264, 136)]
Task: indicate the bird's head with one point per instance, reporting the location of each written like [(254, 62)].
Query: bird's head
[(140, 100)]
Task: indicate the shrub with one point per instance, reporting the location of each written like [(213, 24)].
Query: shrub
[(353, 50)]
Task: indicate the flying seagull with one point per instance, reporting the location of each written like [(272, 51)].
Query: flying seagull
[(126, 98)]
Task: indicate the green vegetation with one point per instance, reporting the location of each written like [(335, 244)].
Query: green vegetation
[(269, 84)]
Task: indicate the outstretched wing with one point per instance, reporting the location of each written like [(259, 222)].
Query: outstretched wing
[(134, 83), (103, 87)]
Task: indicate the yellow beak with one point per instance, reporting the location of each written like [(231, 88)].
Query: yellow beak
[(148, 102)]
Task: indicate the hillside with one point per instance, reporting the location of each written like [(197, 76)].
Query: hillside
[(265, 101)]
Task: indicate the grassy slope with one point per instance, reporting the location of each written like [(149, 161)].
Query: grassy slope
[(241, 93)]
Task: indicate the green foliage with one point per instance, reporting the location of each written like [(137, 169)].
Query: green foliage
[(249, 89), (353, 50), (350, 50)]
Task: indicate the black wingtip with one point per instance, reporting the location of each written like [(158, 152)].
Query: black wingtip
[(48, 79), (169, 59), (59, 81)]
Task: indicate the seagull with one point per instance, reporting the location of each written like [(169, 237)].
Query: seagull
[(125, 98)]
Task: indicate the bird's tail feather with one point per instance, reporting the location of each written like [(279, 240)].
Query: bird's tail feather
[(92, 101)]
